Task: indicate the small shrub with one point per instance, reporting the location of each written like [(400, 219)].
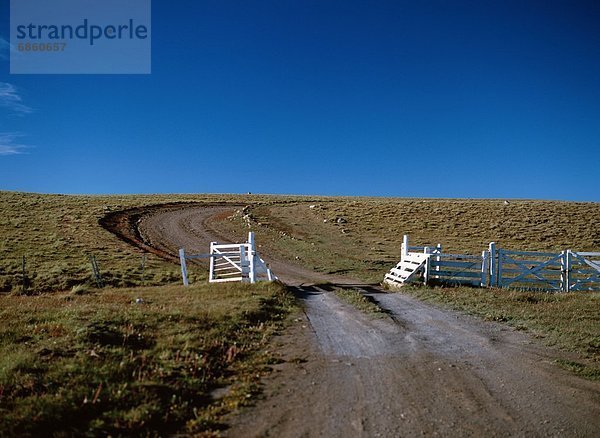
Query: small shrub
[(80, 289)]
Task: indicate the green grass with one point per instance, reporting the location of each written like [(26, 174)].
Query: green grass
[(359, 301), (133, 362), (57, 233)]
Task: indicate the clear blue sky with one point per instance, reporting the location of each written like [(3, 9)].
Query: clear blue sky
[(395, 98)]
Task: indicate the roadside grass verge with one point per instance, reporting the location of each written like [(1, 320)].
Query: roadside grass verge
[(150, 361), (570, 321), (359, 301)]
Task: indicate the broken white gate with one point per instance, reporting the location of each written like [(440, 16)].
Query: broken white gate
[(231, 262)]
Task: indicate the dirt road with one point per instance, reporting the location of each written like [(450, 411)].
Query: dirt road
[(419, 370)]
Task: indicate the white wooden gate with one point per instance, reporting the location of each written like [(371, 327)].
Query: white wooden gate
[(583, 270), (231, 262), (564, 271), (458, 269), (530, 270)]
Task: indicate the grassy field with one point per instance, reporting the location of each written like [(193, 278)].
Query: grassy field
[(359, 237), (149, 361), (149, 368), (124, 360), (57, 234)]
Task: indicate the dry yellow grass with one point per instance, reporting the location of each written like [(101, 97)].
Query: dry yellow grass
[(57, 233), (366, 240)]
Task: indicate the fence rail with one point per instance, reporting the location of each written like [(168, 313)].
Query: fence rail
[(564, 271)]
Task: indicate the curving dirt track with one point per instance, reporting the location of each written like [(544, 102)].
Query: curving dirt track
[(418, 371)]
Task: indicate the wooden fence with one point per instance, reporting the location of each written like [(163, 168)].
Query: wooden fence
[(231, 262), (497, 267)]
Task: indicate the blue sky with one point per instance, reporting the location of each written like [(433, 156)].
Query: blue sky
[(437, 98)]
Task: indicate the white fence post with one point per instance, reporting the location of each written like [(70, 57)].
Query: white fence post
[(184, 274), (211, 261), (493, 281), (427, 267), (244, 265), (565, 277), (484, 268), (569, 268), (251, 259), (404, 251), (568, 257)]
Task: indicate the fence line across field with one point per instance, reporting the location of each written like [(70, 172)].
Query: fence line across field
[(497, 267), (231, 262)]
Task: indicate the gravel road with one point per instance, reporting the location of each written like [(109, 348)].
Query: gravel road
[(418, 370)]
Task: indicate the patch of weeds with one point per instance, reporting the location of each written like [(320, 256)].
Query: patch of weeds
[(587, 371), (356, 299), (80, 289), (100, 364)]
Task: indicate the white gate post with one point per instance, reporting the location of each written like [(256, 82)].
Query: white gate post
[(484, 268), (404, 251), (493, 281), (244, 264), (568, 270), (427, 267), (438, 257), (211, 272), (251, 259), (565, 277), (183, 267)]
